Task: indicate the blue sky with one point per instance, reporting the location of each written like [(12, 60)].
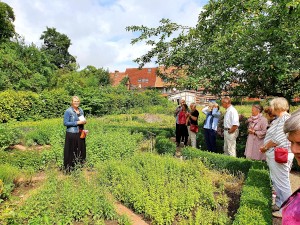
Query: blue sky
[(97, 27)]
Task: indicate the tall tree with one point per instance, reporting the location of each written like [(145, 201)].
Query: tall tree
[(24, 67), (56, 45), (7, 17), (241, 47)]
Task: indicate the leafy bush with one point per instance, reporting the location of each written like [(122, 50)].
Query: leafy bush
[(29, 160), (22, 106), (58, 203), (8, 136), (19, 105), (255, 205), (160, 187), (164, 146), (8, 174)]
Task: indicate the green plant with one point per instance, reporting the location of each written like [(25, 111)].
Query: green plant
[(255, 203), (160, 187), (58, 203), (164, 146), (8, 136)]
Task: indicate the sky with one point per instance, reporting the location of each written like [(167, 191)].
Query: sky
[(96, 28)]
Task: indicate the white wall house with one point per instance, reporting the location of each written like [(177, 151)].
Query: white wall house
[(191, 96)]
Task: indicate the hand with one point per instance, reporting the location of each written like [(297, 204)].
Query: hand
[(81, 122), (251, 131), (263, 149)]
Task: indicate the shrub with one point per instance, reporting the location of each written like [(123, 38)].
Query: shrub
[(164, 146), (8, 136), (255, 203), (161, 188)]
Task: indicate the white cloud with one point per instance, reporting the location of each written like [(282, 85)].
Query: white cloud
[(97, 27)]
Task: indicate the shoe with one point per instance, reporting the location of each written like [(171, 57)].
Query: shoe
[(277, 214), (275, 208)]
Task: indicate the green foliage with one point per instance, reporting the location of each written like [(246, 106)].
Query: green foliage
[(29, 160), (8, 174), (24, 67), (54, 103), (7, 18), (8, 136), (56, 46), (19, 105), (159, 187), (221, 161), (164, 145), (251, 44), (255, 205), (104, 144), (255, 201), (57, 203)]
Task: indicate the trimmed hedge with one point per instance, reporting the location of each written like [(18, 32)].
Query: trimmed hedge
[(21, 105), (255, 202)]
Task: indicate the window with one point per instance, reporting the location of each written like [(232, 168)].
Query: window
[(149, 70), (139, 80)]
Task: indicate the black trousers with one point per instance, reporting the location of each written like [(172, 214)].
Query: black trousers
[(210, 136), (74, 150), (182, 133)]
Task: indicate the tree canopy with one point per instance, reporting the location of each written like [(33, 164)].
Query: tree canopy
[(7, 17), (246, 48), (56, 46)]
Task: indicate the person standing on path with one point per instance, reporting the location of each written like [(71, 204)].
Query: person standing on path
[(275, 137), (231, 125), (211, 125), (257, 129), (75, 149), (176, 114), (193, 119)]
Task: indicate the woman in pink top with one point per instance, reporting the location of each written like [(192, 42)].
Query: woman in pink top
[(291, 207), (257, 129)]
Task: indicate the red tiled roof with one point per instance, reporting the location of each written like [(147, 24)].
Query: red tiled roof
[(116, 77), (140, 78)]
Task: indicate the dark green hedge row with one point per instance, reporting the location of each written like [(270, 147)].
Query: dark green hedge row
[(21, 105), (255, 202)]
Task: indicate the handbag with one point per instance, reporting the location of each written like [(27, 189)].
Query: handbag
[(83, 134), (194, 128), (281, 155)]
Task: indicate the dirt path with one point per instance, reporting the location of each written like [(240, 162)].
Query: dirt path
[(134, 218)]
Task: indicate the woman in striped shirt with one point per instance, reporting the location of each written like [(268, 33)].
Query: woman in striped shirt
[(275, 137)]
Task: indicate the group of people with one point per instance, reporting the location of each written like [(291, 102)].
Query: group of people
[(186, 118), (264, 135)]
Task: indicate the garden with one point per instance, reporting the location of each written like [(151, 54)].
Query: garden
[(130, 161)]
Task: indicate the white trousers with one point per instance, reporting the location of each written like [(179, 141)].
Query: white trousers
[(280, 176), (230, 142), (192, 136)]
